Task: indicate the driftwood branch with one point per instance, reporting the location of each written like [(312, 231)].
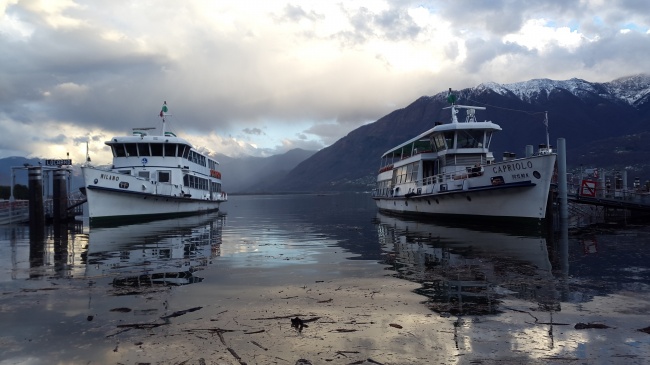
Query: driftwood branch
[(180, 313)]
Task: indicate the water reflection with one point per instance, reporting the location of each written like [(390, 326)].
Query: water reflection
[(465, 270), (160, 253)]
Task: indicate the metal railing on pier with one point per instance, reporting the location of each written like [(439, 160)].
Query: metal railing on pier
[(14, 211), (17, 211), (592, 194)]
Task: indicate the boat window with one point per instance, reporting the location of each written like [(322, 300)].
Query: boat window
[(449, 139), (143, 149), (180, 150), (170, 149), (164, 176), (470, 139), (413, 171), (156, 149), (186, 152), (409, 173), (118, 150), (488, 138), (439, 142), (144, 174), (131, 149), (125, 172)]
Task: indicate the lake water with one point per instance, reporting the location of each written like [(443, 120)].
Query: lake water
[(223, 288)]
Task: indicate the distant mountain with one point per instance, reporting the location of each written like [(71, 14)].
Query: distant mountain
[(255, 174), (7, 165), (585, 114)]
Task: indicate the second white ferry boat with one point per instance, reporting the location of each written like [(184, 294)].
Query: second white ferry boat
[(449, 170)]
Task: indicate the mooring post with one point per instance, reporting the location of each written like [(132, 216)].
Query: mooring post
[(60, 249), (60, 196), (36, 209), (562, 179)]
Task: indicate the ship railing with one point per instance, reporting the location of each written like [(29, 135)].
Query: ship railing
[(16, 211), (221, 196), (638, 195), (459, 174)]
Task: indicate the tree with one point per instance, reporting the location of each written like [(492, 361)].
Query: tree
[(20, 192)]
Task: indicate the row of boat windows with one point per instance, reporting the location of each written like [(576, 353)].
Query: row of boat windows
[(164, 176), (446, 140), (383, 187), (464, 139), (406, 173), (161, 150), (196, 182)]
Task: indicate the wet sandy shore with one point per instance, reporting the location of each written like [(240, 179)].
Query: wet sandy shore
[(367, 321), (362, 320)]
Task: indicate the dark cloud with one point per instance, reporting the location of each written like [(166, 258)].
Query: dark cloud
[(295, 13), (56, 139), (254, 131), (480, 52), (393, 24)]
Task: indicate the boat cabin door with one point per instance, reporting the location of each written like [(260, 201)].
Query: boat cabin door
[(429, 170)]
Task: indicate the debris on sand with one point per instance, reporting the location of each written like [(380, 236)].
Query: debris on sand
[(582, 326)]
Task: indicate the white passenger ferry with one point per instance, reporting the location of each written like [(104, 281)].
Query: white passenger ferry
[(152, 176), (449, 170)]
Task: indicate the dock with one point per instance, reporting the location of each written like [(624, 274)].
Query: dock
[(592, 198), (43, 204)]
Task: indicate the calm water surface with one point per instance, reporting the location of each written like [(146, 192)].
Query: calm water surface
[(64, 291)]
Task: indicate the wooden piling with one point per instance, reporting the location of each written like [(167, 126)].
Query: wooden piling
[(60, 197), (36, 208)]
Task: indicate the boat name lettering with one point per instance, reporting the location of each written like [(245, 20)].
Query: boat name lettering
[(512, 167), (109, 177), (520, 176)]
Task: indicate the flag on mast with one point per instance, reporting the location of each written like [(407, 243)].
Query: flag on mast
[(164, 111)]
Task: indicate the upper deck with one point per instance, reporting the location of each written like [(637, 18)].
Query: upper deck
[(470, 136), (162, 150)]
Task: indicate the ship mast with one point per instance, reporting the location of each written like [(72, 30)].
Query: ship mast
[(548, 143), (164, 111)]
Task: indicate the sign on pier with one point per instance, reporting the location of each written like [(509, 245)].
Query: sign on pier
[(58, 162)]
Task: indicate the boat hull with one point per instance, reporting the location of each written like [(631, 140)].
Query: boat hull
[(108, 204), (520, 194)]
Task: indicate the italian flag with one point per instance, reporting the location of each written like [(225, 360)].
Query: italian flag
[(164, 110)]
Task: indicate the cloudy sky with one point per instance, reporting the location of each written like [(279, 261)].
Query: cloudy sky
[(262, 77)]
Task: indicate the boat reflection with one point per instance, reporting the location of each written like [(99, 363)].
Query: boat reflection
[(468, 270), (160, 253)]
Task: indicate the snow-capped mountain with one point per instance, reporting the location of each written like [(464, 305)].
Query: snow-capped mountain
[(632, 90), (635, 90)]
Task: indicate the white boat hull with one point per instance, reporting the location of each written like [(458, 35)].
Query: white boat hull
[(142, 199), (522, 193)]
